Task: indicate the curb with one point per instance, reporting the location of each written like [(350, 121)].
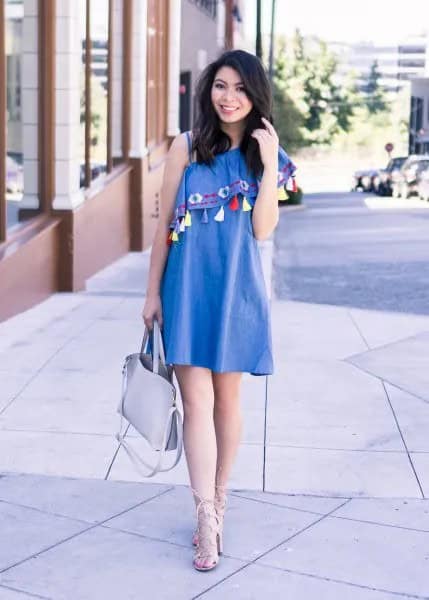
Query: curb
[(293, 207)]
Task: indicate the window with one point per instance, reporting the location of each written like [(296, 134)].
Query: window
[(416, 117), (209, 6), (18, 111), (100, 87), (414, 62), (156, 125)]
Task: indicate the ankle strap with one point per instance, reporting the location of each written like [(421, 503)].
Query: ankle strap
[(200, 497)]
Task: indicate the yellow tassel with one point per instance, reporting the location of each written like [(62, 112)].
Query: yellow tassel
[(282, 195), (246, 205), (174, 237), (188, 220)]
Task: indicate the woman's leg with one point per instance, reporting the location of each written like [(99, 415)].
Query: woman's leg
[(228, 422), (199, 438)]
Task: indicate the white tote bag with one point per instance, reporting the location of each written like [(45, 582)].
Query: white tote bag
[(148, 403)]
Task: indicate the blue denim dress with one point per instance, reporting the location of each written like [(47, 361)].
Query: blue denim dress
[(214, 301)]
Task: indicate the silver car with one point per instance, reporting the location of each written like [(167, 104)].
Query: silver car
[(423, 185)]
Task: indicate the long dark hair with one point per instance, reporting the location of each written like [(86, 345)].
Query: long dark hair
[(208, 137)]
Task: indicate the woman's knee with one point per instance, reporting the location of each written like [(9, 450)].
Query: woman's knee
[(196, 387), (227, 388)]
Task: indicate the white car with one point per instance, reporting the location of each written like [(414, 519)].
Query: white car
[(423, 185)]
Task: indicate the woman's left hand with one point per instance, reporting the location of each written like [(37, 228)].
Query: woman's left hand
[(268, 141)]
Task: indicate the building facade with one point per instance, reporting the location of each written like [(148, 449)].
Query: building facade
[(91, 93), (396, 63), (419, 116)]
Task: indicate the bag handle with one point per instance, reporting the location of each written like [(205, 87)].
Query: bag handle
[(157, 346)]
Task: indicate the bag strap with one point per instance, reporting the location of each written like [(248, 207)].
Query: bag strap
[(157, 346), (139, 462)]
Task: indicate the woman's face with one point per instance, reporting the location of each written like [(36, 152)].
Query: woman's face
[(228, 96)]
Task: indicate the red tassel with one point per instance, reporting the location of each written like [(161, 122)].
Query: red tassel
[(169, 240), (294, 186), (234, 204)]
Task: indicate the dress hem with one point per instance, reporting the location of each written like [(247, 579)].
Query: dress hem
[(205, 366)]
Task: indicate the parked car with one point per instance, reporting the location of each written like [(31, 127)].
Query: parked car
[(404, 181), (383, 180), (96, 170), (14, 176), (364, 180), (423, 184)]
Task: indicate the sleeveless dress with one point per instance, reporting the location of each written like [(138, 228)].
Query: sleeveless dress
[(214, 300)]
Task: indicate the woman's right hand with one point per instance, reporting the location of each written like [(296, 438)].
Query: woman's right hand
[(152, 309)]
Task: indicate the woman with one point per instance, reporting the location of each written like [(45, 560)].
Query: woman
[(206, 286)]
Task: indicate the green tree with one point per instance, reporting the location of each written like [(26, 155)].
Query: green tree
[(98, 119), (287, 117), (374, 95), (311, 105)]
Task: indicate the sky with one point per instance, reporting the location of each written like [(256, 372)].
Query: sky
[(379, 21)]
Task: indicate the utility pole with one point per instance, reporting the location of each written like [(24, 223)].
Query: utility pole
[(258, 30), (229, 25), (271, 59)]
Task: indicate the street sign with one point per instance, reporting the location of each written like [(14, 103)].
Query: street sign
[(389, 147)]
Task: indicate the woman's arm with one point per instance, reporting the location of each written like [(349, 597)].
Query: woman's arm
[(176, 161), (266, 210)]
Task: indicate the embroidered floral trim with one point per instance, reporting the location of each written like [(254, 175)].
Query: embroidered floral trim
[(195, 198)]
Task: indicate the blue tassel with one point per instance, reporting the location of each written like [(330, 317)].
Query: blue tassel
[(205, 217)]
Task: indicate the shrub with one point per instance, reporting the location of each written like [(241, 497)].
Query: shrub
[(294, 198)]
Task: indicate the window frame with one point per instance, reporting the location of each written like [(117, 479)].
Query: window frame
[(126, 92), (46, 21), (3, 149), (157, 73)]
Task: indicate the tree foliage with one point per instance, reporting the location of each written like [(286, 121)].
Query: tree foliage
[(374, 95), (309, 104)]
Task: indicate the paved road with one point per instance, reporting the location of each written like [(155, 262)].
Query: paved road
[(340, 252)]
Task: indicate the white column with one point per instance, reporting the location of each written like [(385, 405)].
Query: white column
[(138, 80), (68, 194), (173, 68), (426, 72), (30, 105), (221, 15), (117, 78)]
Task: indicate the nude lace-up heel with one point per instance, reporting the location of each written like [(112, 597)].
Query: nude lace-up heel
[(206, 555), (220, 506)]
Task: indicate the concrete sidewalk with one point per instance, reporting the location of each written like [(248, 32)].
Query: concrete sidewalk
[(328, 495)]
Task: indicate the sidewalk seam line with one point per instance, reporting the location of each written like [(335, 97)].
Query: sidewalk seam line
[(253, 561), (83, 330), (349, 583), (395, 385), (386, 394), (77, 534), (403, 439), (29, 594)]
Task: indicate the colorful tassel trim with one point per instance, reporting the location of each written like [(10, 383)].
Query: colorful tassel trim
[(186, 221), (291, 184), (220, 215), (246, 205), (282, 195), (234, 205)]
